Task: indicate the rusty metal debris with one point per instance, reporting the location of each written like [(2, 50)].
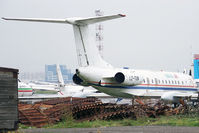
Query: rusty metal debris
[(81, 109)]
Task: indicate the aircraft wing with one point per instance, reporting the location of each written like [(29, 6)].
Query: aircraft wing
[(41, 83), (159, 94), (177, 95), (183, 95), (43, 88)]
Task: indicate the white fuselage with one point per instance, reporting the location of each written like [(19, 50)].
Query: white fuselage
[(137, 82), (24, 89)]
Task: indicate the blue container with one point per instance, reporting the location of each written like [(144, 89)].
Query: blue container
[(196, 68)]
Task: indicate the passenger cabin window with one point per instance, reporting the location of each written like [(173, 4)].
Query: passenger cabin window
[(166, 81), (144, 80), (162, 81), (152, 81), (172, 82)]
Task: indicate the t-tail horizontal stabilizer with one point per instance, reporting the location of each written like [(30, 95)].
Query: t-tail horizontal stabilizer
[(73, 21)]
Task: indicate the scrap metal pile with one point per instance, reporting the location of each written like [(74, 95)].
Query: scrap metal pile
[(81, 109)]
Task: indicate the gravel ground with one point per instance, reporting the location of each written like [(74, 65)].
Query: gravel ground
[(128, 129)]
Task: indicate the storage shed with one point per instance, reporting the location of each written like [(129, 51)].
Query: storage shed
[(8, 99)]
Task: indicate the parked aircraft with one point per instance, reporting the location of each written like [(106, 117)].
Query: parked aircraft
[(24, 89), (62, 89), (72, 90), (28, 89), (118, 82)]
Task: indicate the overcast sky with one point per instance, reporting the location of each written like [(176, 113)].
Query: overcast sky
[(155, 35)]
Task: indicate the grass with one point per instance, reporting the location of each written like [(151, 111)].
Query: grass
[(181, 120), (177, 120), (21, 126)]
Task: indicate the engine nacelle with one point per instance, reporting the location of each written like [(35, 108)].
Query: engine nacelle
[(127, 79), (102, 76), (77, 80), (119, 77)]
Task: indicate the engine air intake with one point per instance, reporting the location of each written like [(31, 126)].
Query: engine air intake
[(119, 77), (77, 80)]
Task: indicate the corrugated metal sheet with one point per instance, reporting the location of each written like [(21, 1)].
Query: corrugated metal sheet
[(8, 99)]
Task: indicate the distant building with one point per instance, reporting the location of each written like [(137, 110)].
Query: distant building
[(31, 76), (51, 74)]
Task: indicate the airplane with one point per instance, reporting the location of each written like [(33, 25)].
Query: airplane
[(62, 89), (28, 89), (24, 89), (43, 83), (72, 90), (119, 82)]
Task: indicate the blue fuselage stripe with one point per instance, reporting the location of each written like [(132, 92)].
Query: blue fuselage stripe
[(149, 87)]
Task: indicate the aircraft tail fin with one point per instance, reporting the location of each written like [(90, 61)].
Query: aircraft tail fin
[(61, 83), (87, 52)]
